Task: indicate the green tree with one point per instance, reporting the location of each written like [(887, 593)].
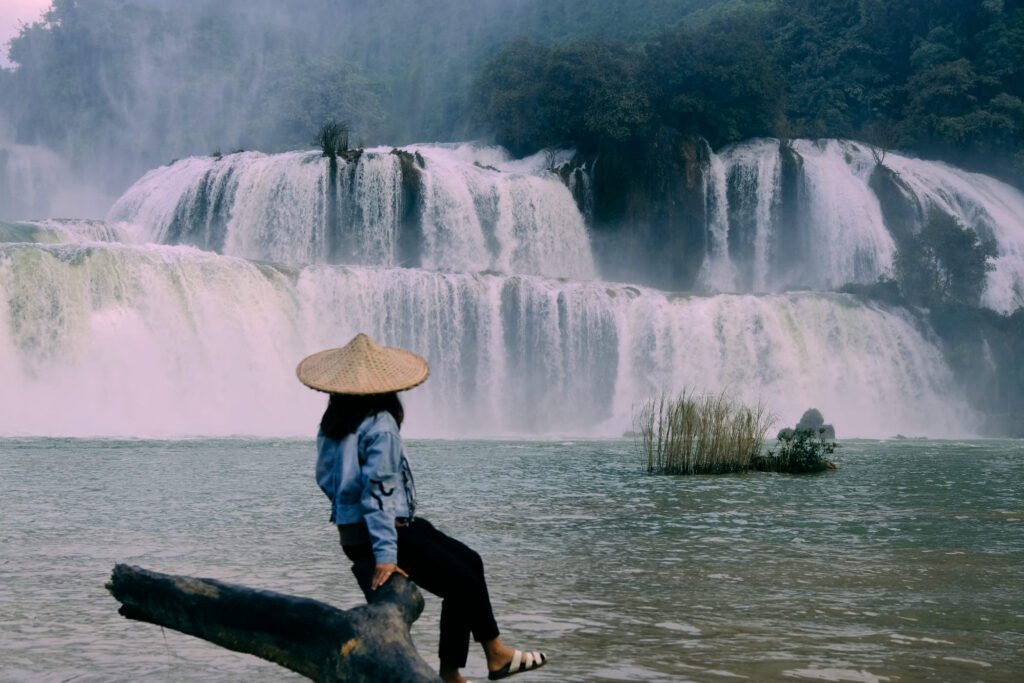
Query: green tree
[(582, 95), (718, 81), (946, 263), (838, 67)]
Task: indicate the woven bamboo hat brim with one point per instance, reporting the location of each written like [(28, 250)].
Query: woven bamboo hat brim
[(363, 367)]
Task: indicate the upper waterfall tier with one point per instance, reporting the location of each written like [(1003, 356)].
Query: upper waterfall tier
[(760, 216), (992, 208), (838, 220), (810, 214), (458, 208), (152, 340)]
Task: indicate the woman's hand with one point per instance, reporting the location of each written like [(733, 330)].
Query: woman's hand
[(383, 573)]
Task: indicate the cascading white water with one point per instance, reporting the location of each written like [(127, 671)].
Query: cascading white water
[(719, 273), (274, 207), (150, 340), (843, 240), (533, 219), (104, 332), (248, 204), (753, 171), (850, 242), (479, 210), (54, 231), (157, 340), (992, 208), (842, 236)]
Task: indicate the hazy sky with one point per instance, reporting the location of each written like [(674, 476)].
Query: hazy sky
[(12, 14)]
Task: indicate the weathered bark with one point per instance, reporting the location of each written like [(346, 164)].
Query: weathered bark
[(370, 643)]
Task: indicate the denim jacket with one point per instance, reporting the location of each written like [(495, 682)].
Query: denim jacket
[(367, 478)]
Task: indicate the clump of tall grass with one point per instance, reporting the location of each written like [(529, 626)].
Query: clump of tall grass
[(701, 433)]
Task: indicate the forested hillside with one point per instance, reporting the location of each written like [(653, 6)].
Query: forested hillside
[(130, 84), (942, 78), (137, 78)]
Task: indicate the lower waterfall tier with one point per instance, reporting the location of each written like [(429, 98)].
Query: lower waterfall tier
[(116, 339)]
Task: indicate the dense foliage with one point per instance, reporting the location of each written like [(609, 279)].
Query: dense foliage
[(799, 451), (941, 77), (558, 96), (124, 85), (134, 77)]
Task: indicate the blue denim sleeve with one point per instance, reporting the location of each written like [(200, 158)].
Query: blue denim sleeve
[(382, 484)]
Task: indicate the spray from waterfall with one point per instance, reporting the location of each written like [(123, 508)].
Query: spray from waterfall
[(151, 340), (185, 311)]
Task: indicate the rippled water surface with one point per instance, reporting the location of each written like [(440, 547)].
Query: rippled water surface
[(907, 563)]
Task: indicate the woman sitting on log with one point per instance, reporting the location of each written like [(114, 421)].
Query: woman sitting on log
[(363, 470)]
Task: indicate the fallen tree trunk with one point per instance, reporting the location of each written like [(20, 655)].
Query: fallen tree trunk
[(369, 643)]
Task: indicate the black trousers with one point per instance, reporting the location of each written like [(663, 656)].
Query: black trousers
[(450, 570)]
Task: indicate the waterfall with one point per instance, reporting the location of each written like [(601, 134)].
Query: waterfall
[(478, 210), (849, 240), (253, 205), (840, 235), (186, 311), (719, 272), (54, 230), (153, 340), (992, 208), (750, 185)]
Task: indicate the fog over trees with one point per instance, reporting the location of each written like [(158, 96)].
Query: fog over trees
[(127, 84), (941, 78)]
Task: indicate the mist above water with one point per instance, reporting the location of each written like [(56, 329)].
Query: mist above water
[(36, 183)]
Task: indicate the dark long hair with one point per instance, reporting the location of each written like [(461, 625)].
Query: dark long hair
[(345, 412)]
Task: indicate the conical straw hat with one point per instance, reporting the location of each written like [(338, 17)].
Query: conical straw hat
[(363, 367)]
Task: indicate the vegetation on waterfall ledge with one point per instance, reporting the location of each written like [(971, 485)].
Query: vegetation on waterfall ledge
[(332, 137)]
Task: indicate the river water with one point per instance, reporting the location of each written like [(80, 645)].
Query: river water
[(907, 563)]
